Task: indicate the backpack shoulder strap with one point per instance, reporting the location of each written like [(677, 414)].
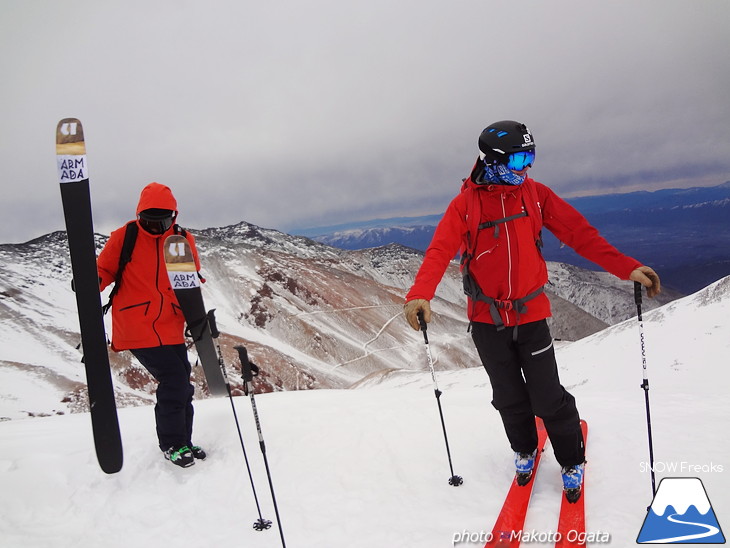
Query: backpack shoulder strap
[(473, 216), (534, 211), (125, 256), (130, 238)]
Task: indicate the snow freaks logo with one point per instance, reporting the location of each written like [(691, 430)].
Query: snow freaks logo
[(680, 513)]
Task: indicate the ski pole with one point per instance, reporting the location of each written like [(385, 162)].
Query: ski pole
[(261, 523), (454, 479), (645, 384), (248, 370)]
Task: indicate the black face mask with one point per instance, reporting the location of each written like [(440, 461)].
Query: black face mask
[(156, 221)]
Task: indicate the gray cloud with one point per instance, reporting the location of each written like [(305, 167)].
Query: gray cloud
[(289, 114)]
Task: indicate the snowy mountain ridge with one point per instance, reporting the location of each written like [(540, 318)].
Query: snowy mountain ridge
[(317, 316)]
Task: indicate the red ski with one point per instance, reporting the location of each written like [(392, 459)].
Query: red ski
[(572, 523), (507, 530)]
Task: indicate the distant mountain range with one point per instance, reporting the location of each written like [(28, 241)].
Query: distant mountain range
[(683, 233)]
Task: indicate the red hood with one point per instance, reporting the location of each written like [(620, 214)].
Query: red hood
[(156, 196)]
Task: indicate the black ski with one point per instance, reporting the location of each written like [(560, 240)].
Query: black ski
[(186, 284), (74, 180)]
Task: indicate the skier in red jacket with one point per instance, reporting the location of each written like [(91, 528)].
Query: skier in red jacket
[(496, 222), (147, 320)]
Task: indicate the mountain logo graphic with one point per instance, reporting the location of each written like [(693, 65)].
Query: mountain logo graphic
[(681, 513)]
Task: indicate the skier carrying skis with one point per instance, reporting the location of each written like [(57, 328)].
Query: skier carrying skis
[(496, 221), (146, 318)]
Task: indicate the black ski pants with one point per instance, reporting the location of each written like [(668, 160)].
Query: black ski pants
[(169, 365), (525, 384)]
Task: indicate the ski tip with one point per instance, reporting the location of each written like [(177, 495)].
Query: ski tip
[(70, 151), (70, 137), (180, 263)]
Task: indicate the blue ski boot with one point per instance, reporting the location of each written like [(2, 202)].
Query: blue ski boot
[(573, 481), (524, 465)]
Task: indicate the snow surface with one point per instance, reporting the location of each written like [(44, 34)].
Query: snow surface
[(367, 467)]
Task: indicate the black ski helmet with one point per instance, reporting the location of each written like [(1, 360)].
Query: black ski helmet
[(501, 139)]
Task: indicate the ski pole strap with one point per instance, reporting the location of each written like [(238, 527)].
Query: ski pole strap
[(472, 290)]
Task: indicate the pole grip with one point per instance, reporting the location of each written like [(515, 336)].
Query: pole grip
[(423, 324), (637, 293), (245, 363), (211, 323), (637, 299)]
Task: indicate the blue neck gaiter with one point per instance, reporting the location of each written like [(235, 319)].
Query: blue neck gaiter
[(500, 174)]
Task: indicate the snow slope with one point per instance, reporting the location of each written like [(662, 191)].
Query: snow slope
[(367, 467)]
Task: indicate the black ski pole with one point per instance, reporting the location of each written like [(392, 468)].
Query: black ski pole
[(248, 370), (454, 479), (645, 384), (260, 524)]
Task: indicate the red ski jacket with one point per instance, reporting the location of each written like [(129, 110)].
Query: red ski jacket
[(145, 311), (505, 261)]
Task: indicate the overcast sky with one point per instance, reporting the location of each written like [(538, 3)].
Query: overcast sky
[(291, 114)]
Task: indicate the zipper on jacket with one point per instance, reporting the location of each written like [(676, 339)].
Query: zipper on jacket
[(157, 287), (509, 259)]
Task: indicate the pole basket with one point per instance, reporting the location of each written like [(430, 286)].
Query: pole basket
[(262, 524), (456, 481)]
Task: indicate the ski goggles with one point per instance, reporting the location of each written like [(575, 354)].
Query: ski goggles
[(517, 161), (156, 221)]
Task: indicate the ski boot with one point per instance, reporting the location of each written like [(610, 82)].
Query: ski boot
[(524, 465), (573, 481), (180, 456), (198, 452)]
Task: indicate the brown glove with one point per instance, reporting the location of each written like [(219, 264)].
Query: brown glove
[(411, 310), (649, 279)]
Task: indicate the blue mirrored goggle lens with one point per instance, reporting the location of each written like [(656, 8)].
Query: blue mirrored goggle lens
[(520, 160)]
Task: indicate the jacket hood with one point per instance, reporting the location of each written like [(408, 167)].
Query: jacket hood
[(156, 196)]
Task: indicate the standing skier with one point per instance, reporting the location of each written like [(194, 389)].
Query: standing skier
[(147, 320), (496, 222)]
